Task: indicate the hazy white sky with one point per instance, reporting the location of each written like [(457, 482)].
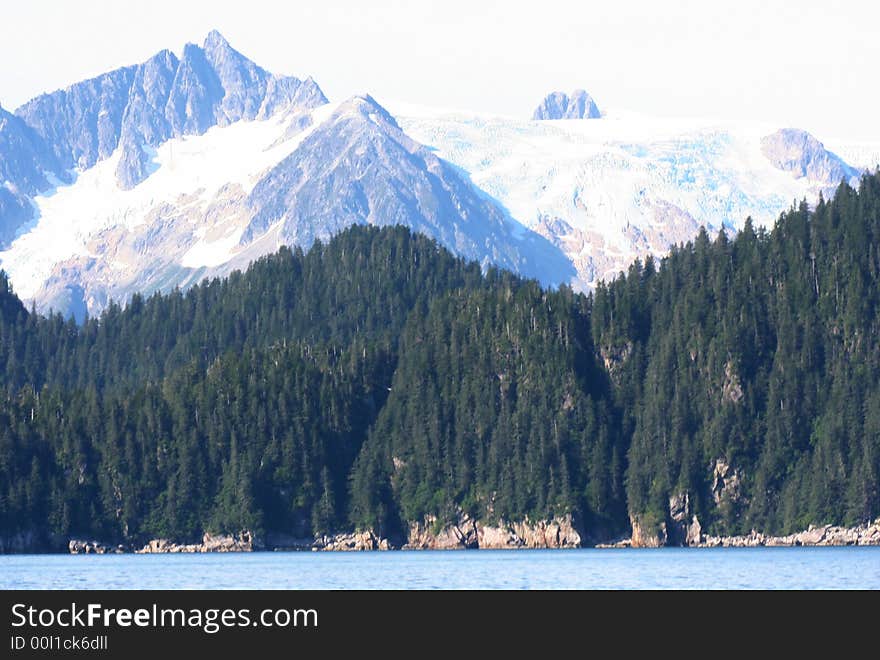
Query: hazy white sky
[(810, 63)]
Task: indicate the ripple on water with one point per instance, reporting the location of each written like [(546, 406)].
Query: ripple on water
[(670, 568)]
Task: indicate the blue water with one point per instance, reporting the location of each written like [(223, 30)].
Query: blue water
[(728, 568)]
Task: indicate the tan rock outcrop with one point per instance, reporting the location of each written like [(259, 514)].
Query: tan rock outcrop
[(351, 542), (429, 535), (824, 535), (725, 482), (647, 535), (244, 541), (468, 533)]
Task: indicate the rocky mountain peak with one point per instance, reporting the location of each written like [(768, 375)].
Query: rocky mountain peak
[(132, 110), (797, 151), (367, 107), (143, 105), (559, 105), (222, 55), (215, 40)]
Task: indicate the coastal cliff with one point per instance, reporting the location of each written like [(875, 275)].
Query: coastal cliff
[(466, 533)]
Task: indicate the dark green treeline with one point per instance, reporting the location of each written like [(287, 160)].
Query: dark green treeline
[(377, 379)]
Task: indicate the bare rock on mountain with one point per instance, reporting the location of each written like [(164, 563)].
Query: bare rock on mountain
[(558, 105), (796, 151)]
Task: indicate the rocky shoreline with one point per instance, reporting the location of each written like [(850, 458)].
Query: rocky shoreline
[(468, 533), (813, 536), (826, 535)]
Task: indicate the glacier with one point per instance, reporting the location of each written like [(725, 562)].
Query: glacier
[(611, 190)]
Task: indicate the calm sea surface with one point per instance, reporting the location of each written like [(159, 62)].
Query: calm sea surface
[(730, 568)]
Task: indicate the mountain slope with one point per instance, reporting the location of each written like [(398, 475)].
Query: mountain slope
[(94, 241), (798, 152), (358, 167), (27, 166)]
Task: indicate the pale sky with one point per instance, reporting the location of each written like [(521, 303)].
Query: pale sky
[(809, 64)]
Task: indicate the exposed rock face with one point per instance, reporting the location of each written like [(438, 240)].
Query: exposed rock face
[(614, 357), (15, 211), (826, 535), (796, 151), (469, 533), (81, 123), (353, 542), (83, 547), (24, 157), (681, 527), (27, 165), (498, 537), (426, 535), (359, 167), (594, 256), (725, 482), (679, 511), (655, 536), (555, 533), (731, 390), (244, 541), (684, 526), (645, 535), (558, 105), (141, 106), (694, 532)]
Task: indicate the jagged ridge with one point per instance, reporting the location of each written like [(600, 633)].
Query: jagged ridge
[(143, 105)]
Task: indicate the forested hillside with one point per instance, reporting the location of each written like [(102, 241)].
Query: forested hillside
[(752, 380), (377, 380)]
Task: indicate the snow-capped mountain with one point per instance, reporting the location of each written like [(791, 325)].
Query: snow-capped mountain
[(156, 175), (215, 163), (138, 107)]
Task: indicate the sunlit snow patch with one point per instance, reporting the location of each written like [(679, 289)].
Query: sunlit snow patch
[(189, 172)]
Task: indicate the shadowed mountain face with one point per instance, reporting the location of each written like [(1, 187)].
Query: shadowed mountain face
[(796, 151), (558, 105), (25, 159), (359, 167), (26, 166), (141, 106)]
